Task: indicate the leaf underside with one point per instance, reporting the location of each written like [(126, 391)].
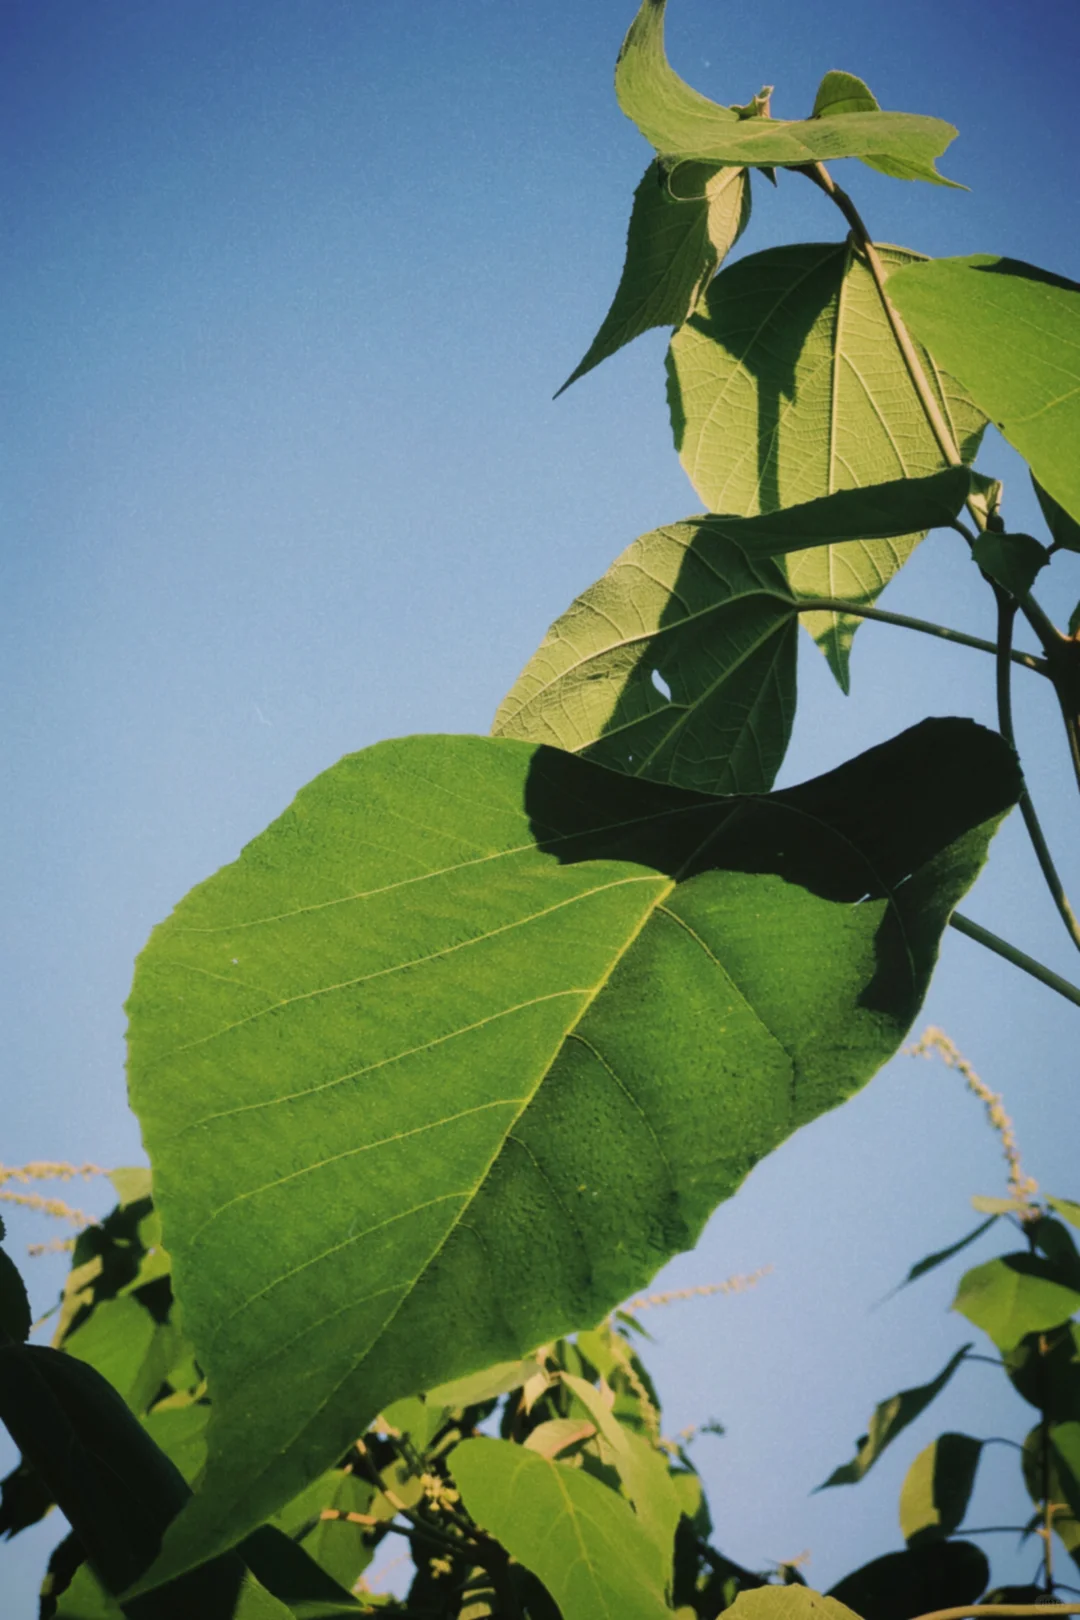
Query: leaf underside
[(786, 385), (476, 1035)]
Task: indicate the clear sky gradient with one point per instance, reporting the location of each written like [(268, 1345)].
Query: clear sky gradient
[(289, 289)]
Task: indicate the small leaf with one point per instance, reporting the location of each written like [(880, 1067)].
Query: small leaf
[(1012, 560), (937, 1488), (921, 1267), (1054, 1240), (887, 1421), (683, 223), (555, 1436), (484, 1385), (643, 1471), (1011, 334), (1051, 1477), (575, 1535), (840, 93), (791, 1602), (938, 1575), (680, 122), (998, 1206), (1067, 1209), (15, 1317), (1015, 1295), (1045, 1369), (1064, 530)]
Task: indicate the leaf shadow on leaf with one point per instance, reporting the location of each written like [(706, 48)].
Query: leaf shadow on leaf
[(773, 366), (1027, 272), (859, 833)]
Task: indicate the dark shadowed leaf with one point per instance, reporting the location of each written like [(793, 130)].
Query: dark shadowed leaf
[(887, 1421), (679, 121), (937, 1488), (939, 1575), (577, 1536), (1052, 1476), (1064, 530), (683, 223), (15, 1317), (931, 1261), (1011, 334), (1045, 1369), (1013, 560), (1014, 1295), (786, 385), (477, 1035)]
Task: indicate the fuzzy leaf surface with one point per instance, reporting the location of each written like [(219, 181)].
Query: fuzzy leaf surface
[(786, 385), (580, 1538), (678, 235), (1011, 333), (700, 605), (678, 121), (476, 1035)]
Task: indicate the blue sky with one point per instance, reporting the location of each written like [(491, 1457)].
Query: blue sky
[(289, 290)]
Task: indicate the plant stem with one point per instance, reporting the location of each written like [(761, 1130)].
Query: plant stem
[(1002, 1611), (1006, 616), (834, 604), (1018, 958)]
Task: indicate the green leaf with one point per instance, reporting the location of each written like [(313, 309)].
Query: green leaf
[(557, 1434), (1054, 1240), (683, 223), (341, 1547), (786, 385), (484, 1385), (643, 1471), (1011, 333), (921, 1267), (579, 1538), (937, 1488), (888, 1419), (128, 1347), (180, 1431), (680, 122), (1064, 530), (1012, 560), (476, 1035), (1052, 1477), (937, 1575), (699, 605), (842, 93), (1015, 1295), (1045, 1369), (1067, 1209), (15, 1317), (788, 1603)]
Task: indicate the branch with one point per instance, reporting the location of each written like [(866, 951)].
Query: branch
[(1006, 616), (834, 604), (1020, 959)]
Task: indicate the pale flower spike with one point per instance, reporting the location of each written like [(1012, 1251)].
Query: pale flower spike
[(935, 1043)]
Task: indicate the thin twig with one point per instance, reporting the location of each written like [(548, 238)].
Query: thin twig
[(1018, 958), (1006, 616), (835, 604)]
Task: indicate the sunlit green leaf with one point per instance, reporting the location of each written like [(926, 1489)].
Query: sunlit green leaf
[(842, 93), (697, 608), (643, 1471), (1012, 560), (888, 1419), (679, 121), (484, 1385), (1011, 334), (786, 385), (682, 225), (937, 1488), (477, 1035), (579, 1538), (788, 1603), (1014, 1295), (1064, 530), (128, 1347), (1067, 1209)]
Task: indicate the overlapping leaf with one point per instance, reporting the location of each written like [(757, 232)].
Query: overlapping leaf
[(1015, 1295), (477, 1034), (785, 385), (577, 1536), (679, 121), (1011, 333), (937, 1488), (681, 228), (699, 607)]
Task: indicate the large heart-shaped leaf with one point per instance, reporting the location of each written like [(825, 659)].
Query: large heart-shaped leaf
[(1011, 333), (681, 227), (679, 664), (679, 121), (785, 385), (476, 1035)]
